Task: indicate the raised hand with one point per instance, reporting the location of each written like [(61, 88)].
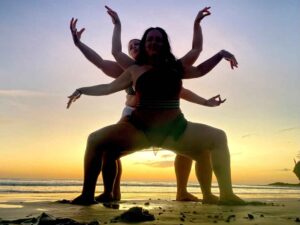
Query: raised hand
[(215, 101), (73, 97), (202, 13), (114, 16), (229, 57), (75, 34)]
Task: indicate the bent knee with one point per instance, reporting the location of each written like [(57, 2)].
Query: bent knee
[(220, 137), (93, 139)]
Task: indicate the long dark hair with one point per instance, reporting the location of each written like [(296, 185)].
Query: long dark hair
[(166, 59)]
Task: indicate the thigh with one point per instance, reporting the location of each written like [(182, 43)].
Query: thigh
[(119, 139), (196, 139)]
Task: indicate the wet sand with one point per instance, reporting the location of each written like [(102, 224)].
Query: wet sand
[(165, 211)]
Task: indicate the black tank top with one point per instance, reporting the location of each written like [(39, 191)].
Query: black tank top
[(158, 93), (158, 85)]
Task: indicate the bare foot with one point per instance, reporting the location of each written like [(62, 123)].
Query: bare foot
[(105, 198), (210, 199), (231, 200), (187, 197), (117, 196), (117, 192), (81, 200)]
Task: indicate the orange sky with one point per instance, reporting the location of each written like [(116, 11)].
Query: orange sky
[(40, 67)]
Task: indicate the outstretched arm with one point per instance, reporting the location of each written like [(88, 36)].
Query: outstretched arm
[(208, 65), (124, 60), (110, 68), (190, 96), (122, 82), (190, 58)]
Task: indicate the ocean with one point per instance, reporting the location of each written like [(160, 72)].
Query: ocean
[(49, 189)]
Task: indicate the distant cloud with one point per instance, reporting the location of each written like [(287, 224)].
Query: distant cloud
[(248, 135), (289, 129), (167, 156), (159, 164), (284, 170), (5, 121), (236, 153), (22, 93)]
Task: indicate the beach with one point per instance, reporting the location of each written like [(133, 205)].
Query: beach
[(276, 211), (274, 205)]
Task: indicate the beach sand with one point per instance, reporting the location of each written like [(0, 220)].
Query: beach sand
[(165, 211)]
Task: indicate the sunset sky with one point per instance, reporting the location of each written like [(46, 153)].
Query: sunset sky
[(40, 67)]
